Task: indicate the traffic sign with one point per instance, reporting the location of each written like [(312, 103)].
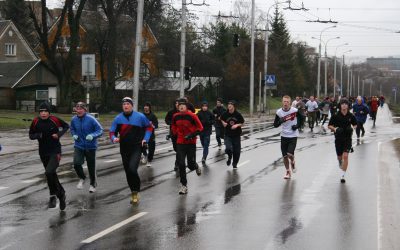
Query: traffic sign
[(270, 81), (394, 89)]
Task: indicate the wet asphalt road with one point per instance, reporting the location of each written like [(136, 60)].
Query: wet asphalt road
[(250, 208)]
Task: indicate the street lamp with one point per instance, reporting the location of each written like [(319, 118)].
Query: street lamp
[(334, 72), (319, 60), (326, 65), (341, 73), (266, 49)]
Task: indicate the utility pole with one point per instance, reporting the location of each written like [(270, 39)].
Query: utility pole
[(259, 93), (252, 59), (348, 83), (334, 78), (183, 49), (138, 49), (358, 83)]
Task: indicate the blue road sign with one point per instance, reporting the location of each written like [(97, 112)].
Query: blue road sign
[(270, 81)]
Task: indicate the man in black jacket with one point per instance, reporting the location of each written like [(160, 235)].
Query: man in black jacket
[(207, 120), (233, 121), (48, 129), (219, 128), (168, 121), (152, 142)]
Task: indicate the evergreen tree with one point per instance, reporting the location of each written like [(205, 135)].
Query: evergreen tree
[(17, 11)]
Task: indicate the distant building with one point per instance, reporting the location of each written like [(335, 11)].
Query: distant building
[(384, 64)]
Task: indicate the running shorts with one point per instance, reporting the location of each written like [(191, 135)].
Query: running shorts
[(288, 145)]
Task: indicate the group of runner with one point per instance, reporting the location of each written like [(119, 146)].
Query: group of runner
[(135, 134), (341, 123)]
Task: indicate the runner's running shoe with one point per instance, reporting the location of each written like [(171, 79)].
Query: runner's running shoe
[(183, 190)]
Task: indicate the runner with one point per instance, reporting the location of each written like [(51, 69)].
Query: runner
[(312, 107), (207, 120), (219, 128), (301, 117), (381, 101), (286, 116), (186, 126), (296, 101), (233, 121), (168, 121), (373, 107), (48, 129), (334, 106), (360, 110), (85, 130), (325, 107), (132, 130), (342, 125), (148, 156)]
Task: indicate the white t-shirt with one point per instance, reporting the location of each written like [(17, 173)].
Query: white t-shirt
[(311, 106), (290, 117), (294, 103)]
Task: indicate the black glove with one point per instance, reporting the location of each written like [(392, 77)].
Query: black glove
[(281, 120), (339, 131), (295, 127), (167, 137), (144, 145), (349, 130), (189, 137)]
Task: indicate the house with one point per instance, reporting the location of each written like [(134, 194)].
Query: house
[(92, 28), (24, 80)]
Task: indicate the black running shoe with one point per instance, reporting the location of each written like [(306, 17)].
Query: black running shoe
[(234, 165), (62, 202), (342, 180), (228, 163), (53, 201)]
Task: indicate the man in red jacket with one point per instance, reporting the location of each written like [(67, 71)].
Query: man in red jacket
[(186, 126), (373, 107)]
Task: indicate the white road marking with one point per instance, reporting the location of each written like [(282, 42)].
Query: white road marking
[(243, 163), (109, 161), (160, 149), (64, 172), (378, 201), (113, 228), (31, 180), (2, 188)]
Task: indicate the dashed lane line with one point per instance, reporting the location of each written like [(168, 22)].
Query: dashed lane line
[(109, 161), (243, 163), (2, 188), (32, 180), (113, 228)]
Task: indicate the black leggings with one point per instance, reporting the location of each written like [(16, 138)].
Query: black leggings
[(360, 127), (130, 160), (51, 163)]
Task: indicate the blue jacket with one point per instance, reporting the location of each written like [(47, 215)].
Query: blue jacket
[(84, 126), (360, 112)]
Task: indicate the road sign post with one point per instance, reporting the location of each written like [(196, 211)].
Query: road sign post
[(88, 69)]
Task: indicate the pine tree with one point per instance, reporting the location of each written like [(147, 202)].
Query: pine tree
[(17, 11)]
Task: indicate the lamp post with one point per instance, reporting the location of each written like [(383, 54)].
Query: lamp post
[(252, 59), (341, 74), (326, 65), (334, 72), (319, 60), (266, 50)]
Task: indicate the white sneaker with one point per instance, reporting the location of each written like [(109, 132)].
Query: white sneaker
[(144, 159), (148, 164), (80, 184), (287, 176), (183, 190), (294, 169), (92, 189)]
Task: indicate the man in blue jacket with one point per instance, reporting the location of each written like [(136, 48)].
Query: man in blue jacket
[(360, 110), (85, 130)]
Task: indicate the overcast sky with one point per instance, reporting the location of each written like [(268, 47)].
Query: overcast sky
[(368, 26)]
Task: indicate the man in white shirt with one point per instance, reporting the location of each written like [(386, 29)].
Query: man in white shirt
[(312, 107), (287, 117), (296, 101)]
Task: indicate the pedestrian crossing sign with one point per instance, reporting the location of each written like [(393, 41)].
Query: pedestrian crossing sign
[(270, 81)]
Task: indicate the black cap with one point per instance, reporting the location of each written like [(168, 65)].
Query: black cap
[(44, 106), (182, 101), (127, 99), (233, 102), (204, 103), (219, 99)]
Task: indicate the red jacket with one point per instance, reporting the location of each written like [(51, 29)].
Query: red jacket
[(374, 105), (184, 124)]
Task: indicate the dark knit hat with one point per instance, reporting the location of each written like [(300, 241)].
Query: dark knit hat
[(182, 101), (233, 102), (219, 99), (127, 99), (81, 105), (44, 106), (204, 103)]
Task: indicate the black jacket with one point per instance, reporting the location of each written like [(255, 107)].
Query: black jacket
[(232, 119), (207, 120), (218, 111), (42, 130), (153, 118)]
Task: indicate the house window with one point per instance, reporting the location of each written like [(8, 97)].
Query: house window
[(42, 95), (145, 44), (119, 70), (11, 49), (144, 70)]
